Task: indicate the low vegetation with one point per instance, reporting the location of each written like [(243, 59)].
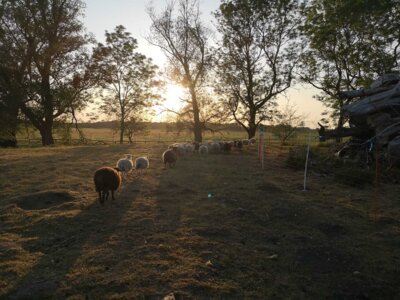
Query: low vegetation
[(213, 226)]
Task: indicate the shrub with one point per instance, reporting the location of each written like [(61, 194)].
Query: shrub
[(354, 175)]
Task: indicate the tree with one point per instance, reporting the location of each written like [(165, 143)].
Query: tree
[(350, 43), (286, 122), (13, 67), (179, 32), (134, 125), (11, 95), (49, 36), (257, 57), (211, 113), (128, 78)]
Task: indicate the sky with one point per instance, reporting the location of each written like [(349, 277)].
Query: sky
[(102, 15)]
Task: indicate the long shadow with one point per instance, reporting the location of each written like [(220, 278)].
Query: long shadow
[(62, 241)]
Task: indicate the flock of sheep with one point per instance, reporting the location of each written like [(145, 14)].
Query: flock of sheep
[(108, 179)]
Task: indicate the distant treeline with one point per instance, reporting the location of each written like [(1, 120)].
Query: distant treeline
[(164, 125), (156, 125)]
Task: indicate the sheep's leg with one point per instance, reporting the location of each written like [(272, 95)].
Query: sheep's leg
[(101, 197), (107, 193), (112, 195)]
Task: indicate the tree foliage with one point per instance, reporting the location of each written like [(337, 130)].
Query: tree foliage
[(350, 43), (257, 57), (211, 113), (286, 122), (128, 79), (48, 59)]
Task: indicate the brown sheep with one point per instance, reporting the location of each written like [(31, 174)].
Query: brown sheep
[(106, 179), (169, 157), (227, 147)]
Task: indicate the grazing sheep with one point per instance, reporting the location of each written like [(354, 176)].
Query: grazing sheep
[(239, 144), (214, 147), (189, 148), (252, 141), (125, 164), (245, 142), (107, 179), (169, 157), (227, 147), (179, 148), (203, 149), (196, 146), (142, 163)]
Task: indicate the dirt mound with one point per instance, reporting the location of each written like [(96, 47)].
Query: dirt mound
[(44, 200)]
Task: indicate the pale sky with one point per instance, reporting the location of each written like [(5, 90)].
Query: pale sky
[(102, 15)]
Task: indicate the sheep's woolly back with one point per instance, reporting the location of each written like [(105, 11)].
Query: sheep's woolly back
[(203, 149), (214, 147), (227, 147), (169, 156), (142, 163), (125, 165), (189, 148), (107, 179)]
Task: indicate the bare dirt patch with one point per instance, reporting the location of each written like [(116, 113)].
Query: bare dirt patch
[(44, 200)]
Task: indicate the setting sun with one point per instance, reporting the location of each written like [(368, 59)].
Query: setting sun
[(174, 95)]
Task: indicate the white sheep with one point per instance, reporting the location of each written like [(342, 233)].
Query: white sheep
[(214, 147), (125, 164), (203, 149), (189, 148), (142, 163)]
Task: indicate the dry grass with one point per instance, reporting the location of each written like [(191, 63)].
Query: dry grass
[(213, 227)]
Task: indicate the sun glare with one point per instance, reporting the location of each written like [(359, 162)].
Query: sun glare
[(174, 94), (173, 102)]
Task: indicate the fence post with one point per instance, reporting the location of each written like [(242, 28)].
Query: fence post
[(306, 165), (261, 146)]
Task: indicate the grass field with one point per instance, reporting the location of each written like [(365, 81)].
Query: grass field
[(214, 227), (109, 135)]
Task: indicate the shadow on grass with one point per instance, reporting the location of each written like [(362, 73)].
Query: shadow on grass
[(61, 242)]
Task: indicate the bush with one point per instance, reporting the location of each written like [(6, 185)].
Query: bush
[(354, 175), (296, 158)]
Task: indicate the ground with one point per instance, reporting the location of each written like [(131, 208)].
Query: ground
[(214, 227)]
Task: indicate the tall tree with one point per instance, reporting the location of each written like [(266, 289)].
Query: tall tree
[(128, 79), (51, 36), (180, 33), (350, 43), (257, 56), (13, 68), (211, 113)]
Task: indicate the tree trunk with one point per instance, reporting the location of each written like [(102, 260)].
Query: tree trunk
[(340, 125), (9, 123), (197, 130), (47, 134), (252, 124), (122, 131), (251, 132)]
